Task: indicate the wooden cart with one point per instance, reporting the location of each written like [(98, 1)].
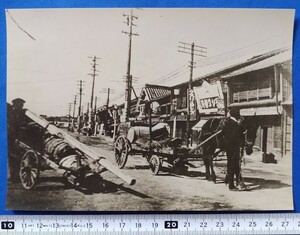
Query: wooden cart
[(156, 151), (62, 153)]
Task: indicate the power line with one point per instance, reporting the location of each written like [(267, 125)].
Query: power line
[(243, 51), (185, 66), (218, 58), (23, 30)]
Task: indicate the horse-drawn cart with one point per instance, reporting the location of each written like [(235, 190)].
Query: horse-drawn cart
[(153, 143)]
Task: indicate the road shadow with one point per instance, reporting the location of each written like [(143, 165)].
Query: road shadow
[(139, 167), (106, 187), (260, 183), (97, 187)]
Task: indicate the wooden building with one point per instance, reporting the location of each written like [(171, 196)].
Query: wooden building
[(264, 89)]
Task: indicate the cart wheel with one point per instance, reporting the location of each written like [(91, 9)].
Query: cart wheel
[(29, 169), (122, 148), (155, 164)]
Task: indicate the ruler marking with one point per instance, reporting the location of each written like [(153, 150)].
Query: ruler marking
[(153, 224)]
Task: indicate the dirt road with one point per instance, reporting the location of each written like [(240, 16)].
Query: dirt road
[(270, 184)]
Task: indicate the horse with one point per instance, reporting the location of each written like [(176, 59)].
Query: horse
[(247, 136)]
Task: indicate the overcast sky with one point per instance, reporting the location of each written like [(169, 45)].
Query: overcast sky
[(45, 72)]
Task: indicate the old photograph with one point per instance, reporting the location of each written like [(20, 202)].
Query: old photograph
[(149, 109)]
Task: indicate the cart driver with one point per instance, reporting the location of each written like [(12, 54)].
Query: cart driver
[(15, 119), (232, 138)]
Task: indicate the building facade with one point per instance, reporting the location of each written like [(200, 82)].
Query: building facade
[(264, 90)]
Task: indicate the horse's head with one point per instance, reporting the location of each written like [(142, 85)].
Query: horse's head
[(250, 128)]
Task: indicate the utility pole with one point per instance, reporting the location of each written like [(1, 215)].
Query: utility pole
[(79, 118), (129, 22), (131, 81), (108, 91), (80, 96), (107, 101), (94, 65), (69, 118), (95, 108), (74, 107), (193, 50)]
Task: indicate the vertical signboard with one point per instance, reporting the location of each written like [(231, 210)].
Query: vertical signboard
[(191, 97)]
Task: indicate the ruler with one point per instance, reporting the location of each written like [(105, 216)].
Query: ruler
[(160, 224)]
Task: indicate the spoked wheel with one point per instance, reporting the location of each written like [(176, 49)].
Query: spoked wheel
[(155, 164), (122, 148), (29, 169)]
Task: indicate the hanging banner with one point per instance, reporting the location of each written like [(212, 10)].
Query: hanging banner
[(192, 102), (209, 98)]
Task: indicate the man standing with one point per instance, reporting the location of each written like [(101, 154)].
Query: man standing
[(231, 131), (15, 119)]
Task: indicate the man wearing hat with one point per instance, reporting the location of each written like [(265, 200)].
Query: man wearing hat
[(15, 119), (232, 139)]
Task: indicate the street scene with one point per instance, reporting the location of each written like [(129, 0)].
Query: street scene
[(150, 114)]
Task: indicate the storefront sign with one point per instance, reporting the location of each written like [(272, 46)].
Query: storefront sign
[(209, 98), (192, 101)]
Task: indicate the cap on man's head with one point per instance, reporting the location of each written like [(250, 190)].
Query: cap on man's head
[(18, 101), (234, 112)]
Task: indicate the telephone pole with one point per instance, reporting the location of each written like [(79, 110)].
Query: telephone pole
[(69, 117), (74, 107), (193, 50), (94, 65), (80, 96), (108, 91), (95, 108), (129, 22)]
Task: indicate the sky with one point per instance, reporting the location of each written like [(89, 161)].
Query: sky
[(45, 72)]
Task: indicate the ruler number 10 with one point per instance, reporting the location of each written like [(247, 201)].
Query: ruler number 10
[(7, 225)]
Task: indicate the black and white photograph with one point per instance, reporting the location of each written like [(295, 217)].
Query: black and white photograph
[(149, 109)]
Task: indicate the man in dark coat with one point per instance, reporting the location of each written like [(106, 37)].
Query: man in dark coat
[(15, 119), (231, 131)]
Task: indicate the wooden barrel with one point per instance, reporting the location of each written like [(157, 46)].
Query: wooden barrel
[(136, 132), (159, 132), (56, 148)]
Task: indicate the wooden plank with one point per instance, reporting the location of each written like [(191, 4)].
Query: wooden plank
[(93, 156)]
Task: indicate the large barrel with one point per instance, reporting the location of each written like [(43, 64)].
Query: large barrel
[(57, 148), (159, 131)]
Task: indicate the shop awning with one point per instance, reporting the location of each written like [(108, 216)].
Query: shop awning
[(261, 111), (199, 125)]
